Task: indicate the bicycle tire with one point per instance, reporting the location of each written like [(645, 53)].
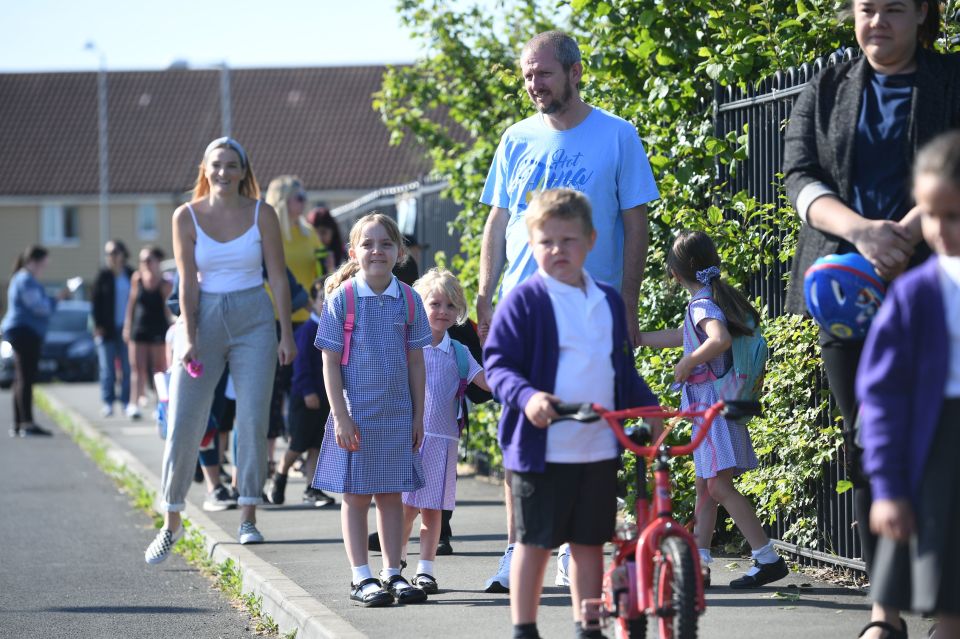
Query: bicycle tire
[(631, 628), (675, 587)]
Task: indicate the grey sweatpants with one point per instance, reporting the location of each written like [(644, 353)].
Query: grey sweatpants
[(236, 328)]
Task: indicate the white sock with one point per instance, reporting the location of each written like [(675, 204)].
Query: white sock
[(766, 554), (363, 572), (425, 567), (386, 573), (705, 556)]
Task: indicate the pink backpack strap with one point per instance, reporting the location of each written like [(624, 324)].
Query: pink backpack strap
[(408, 298), (407, 294), (349, 320)]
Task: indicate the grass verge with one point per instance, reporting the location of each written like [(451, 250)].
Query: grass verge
[(226, 575)]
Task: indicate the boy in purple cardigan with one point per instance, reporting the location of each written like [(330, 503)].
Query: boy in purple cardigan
[(908, 384), (308, 408), (560, 336)]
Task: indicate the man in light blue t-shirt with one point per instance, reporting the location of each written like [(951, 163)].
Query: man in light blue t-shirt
[(567, 143)]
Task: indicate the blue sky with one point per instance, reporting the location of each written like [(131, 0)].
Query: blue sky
[(49, 35)]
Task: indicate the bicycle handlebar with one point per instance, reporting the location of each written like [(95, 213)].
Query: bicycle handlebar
[(585, 413)]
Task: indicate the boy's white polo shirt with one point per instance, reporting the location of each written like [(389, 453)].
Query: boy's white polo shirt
[(584, 370), (950, 285)]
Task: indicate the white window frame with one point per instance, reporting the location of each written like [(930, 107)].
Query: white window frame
[(146, 212), (53, 225)]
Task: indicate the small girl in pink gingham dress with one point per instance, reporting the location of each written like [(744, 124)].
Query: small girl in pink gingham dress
[(445, 304)]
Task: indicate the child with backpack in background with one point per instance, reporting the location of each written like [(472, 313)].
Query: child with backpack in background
[(450, 369), (308, 408), (716, 315), (908, 384), (372, 333)]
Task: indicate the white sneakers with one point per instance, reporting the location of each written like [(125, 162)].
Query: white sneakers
[(249, 534), (563, 566), (133, 411), (500, 582)]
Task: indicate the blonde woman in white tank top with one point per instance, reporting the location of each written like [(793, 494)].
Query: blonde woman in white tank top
[(220, 240)]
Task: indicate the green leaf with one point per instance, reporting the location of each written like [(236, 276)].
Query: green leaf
[(843, 485), (665, 58), (714, 70)]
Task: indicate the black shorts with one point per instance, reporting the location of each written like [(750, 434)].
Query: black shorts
[(306, 424), (227, 417), (567, 503)]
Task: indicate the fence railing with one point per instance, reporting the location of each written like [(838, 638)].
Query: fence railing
[(417, 204), (764, 109)]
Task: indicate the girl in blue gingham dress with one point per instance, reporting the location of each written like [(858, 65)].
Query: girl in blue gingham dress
[(376, 404), (445, 304), (716, 312)]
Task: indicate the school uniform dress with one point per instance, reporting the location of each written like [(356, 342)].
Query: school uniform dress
[(376, 387), (728, 444), (441, 433), (908, 384)]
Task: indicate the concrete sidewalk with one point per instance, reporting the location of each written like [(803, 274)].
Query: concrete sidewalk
[(303, 575)]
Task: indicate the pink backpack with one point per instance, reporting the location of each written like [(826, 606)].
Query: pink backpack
[(349, 319)]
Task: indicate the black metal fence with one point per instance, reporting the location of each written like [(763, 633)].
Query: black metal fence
[(764, 109), (423, 215)]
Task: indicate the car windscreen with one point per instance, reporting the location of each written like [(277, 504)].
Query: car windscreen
[(69, 321)]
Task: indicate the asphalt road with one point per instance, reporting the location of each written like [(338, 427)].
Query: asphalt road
[(104, 583), (71, 554)]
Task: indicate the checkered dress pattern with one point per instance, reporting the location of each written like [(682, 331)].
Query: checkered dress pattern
[(727, 445), (377, 391), (439, 450)]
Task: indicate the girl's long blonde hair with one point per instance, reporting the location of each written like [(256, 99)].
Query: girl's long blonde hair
[(350, 268), (278, 192), (437, 279)]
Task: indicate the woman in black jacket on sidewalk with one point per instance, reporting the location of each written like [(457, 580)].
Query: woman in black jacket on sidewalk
[(850, 144)]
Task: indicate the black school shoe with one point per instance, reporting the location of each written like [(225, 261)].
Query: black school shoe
[(768, 574), (373, 599), (426, 583), (890, 631), (444, 547), (400, 588)]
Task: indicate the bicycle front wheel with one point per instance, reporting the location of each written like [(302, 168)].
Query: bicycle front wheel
[(631, 628), (675, 587)]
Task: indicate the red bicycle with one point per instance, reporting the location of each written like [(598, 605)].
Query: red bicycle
[(655, 570)]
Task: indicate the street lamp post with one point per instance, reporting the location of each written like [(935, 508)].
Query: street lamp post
[(104, 149)]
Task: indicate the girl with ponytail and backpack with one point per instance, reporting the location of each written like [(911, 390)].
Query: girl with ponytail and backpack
[(372, 333), (717, 315), (450, 369)]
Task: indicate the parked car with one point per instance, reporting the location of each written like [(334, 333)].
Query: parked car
[(68, 354)]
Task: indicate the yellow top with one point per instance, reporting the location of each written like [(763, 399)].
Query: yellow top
[(301, 253)]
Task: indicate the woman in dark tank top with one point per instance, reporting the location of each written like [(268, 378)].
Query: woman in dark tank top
[(145, 327)]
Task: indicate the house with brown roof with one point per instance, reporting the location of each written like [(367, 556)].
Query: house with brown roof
[(313, 122)]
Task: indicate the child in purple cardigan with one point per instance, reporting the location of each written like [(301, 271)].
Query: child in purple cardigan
[(908, 384), (560, 336)]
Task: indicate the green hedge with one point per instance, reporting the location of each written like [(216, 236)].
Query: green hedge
[(654, 63)]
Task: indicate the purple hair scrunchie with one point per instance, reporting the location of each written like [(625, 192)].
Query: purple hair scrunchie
[(708, 274)]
